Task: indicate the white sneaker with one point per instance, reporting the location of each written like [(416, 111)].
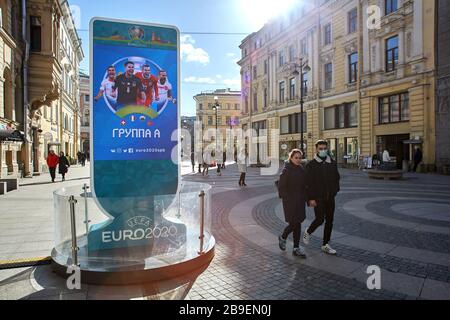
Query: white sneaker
[(299, 252), (306, 238), (329, 250)]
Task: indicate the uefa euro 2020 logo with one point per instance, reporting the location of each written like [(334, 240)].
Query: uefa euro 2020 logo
[(136, 33)]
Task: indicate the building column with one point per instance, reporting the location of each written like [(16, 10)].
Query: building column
[(418, 29), (3, 166)]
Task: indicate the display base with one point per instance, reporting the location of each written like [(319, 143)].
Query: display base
[(133, 273)]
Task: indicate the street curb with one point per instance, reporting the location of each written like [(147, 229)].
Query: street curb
[(24, 263)]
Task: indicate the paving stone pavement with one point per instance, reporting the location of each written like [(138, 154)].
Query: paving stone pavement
[(247, 264)]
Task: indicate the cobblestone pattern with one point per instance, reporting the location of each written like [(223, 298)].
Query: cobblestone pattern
[(264, 213), (389, 213), (243, 270)]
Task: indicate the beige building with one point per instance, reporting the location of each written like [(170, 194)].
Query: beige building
[(55, 55), (11, 89), (85, 110), (228, 114), (370, 88)]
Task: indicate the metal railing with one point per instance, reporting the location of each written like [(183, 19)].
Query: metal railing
[(202, 221), (75, 249)]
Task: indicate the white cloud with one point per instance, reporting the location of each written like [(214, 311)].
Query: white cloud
[(232, 83), (231, 55), (219, 76), (190, 53), (204, 80)]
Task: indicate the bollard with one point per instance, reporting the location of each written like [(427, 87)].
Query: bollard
[(86, 214), (72, 202), (202, 221)]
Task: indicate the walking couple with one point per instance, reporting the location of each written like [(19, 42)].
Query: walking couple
[(316, 185)]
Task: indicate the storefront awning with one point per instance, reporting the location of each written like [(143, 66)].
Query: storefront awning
[(11, 135), (412, 142)]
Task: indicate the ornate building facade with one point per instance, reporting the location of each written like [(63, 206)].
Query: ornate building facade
[(370, 85)]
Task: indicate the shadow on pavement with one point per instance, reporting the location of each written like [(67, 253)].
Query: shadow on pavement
[(49, 182), (41, 283)]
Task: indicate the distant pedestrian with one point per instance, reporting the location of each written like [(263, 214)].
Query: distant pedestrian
[(63, 165), (242, 167), (386, 156), (83, 159), (193, 161), (205, 168), (79, 159), (291, 188), (418, 157), (52, 162), (322, 186), (224, 159)]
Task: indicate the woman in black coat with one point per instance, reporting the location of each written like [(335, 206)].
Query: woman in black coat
[(291, 189), (63, 165)]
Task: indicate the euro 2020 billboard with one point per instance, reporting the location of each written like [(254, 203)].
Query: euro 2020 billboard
[(134, 89)]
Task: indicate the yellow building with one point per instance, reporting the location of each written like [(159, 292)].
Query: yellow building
[(11, 90), (228, 114), (350, 81), (55, 55)]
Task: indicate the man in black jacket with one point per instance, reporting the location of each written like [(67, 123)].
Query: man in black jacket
[(322, 185)]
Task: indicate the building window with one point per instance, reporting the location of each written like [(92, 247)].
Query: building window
[(266, 67), (87, 98), (236, 106), (281, 58), (291, 124), (304, 46), (292, 89), (284, 125), (281, 91), (327, 34), (35, 34), (391, 53), (210, 105), (391, 6), (328, 76), (255, 101), (352, 20), (353, 67), (200, 106), (210, 120), (305, 84), (265, 98), (228, 120), (291, 53), (341, 116), (393, 108), (219, 120), (255, 72)]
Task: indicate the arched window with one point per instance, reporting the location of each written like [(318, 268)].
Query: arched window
[(8, 95)]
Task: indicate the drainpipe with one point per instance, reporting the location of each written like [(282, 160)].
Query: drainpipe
[(25, 87)]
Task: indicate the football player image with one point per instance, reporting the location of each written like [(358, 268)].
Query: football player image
[(149, 84), (107, 87), (129, 87), (164, 90)]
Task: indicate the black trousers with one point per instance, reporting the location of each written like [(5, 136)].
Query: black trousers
[(242, 178), (52, 173), (416, 165), (324, 213), (296, 229)]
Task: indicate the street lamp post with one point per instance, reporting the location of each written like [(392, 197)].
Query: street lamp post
[(304, 68), (216, 109)]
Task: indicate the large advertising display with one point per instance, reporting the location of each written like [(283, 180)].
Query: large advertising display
[(134, 121)]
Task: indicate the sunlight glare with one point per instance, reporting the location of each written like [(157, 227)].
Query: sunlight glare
[(260, 11)]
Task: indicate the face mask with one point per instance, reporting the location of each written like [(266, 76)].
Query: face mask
[(323, 153)]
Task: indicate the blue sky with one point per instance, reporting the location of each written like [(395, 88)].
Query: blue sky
[(208, 61)]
